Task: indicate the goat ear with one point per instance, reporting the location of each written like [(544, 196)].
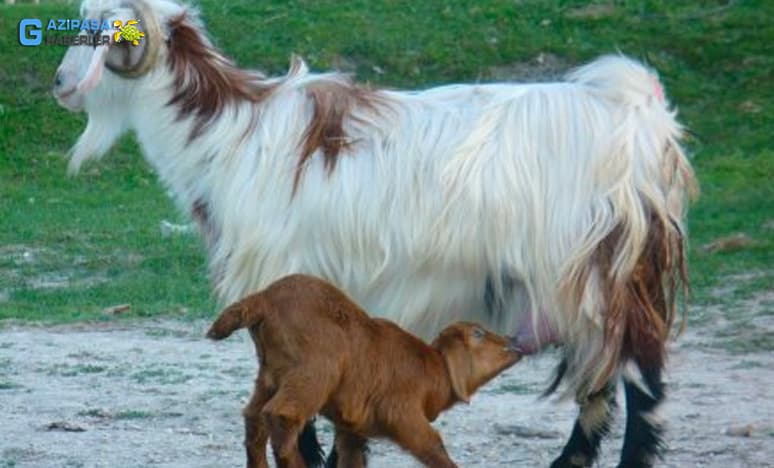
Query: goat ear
[(459, 365), (94, 72)]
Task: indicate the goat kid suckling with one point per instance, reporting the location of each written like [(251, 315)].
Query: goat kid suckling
[(320, 353)]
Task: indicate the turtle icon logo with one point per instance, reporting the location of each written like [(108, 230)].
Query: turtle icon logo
[(127, 32)]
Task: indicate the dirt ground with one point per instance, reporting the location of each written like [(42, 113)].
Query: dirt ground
[(156, 393)]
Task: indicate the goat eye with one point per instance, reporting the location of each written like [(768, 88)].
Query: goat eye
[(478, 333)]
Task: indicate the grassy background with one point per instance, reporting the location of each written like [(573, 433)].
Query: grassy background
[(71, 247)]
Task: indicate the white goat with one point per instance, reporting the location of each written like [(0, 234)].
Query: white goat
[(550, 211)]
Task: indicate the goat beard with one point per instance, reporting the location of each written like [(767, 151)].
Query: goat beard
[(102, 130)]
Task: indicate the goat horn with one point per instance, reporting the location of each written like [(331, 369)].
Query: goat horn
[(153, 37)]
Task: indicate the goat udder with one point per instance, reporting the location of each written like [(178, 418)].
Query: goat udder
[(531, 338)]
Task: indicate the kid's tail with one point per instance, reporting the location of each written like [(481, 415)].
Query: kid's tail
[(246, 313)]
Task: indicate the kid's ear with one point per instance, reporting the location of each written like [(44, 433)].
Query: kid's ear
[(459, 364)]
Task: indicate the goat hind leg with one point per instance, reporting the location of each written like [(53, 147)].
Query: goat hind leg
[(642, 439), (591, 426)]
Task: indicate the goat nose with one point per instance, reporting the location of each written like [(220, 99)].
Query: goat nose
[(58, 80)]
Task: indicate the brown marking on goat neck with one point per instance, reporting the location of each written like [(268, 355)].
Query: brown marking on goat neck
[(205, 80), (333, 104), (321, 353)]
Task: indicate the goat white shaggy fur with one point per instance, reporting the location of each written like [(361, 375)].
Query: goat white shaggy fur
[(439, 189), (421, 200)]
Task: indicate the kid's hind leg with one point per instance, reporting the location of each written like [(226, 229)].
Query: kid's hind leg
[(256, 432), (284, 423), (350, 450), (298, 398)]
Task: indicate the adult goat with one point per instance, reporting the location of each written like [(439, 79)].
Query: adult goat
[(552, 212)]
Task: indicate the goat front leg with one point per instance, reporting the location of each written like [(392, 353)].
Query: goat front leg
[(417, 436)]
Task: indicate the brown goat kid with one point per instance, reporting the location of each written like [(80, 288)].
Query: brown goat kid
[(322, 354)]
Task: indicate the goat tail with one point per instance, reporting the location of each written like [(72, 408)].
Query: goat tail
[(623, 79), (245, 313)]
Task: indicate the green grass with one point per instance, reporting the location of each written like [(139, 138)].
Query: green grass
[(94, 241)]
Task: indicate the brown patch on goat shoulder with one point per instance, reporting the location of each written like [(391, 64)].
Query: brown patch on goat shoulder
[(332, 105), (205, 81)]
